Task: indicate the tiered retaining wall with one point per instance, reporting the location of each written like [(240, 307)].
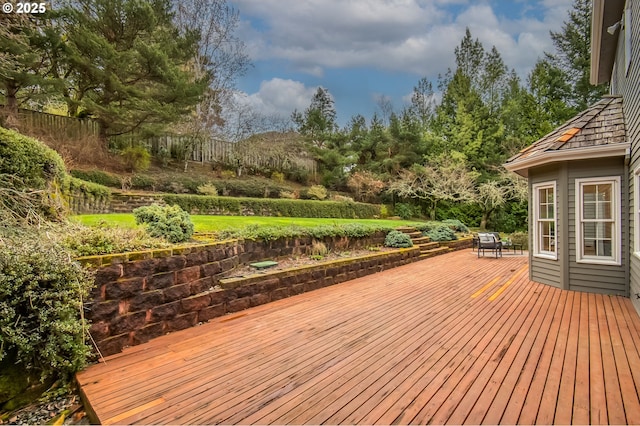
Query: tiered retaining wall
[(141, 295)]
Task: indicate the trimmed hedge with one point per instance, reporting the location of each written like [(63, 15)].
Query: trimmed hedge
[(97, 176), (198, 204), (37, 165)]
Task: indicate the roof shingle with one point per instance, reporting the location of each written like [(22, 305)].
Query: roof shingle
[(600, 124)]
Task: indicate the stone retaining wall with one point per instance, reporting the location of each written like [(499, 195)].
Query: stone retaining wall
[(142, 295)]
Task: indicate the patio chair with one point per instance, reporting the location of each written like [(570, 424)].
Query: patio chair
[(488, 241)]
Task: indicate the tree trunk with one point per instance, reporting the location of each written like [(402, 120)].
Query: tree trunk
[(485, 218)]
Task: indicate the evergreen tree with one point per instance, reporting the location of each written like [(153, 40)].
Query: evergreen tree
[(23, 65), (573, 56), (125, 64), (318, 122), (423, 102)]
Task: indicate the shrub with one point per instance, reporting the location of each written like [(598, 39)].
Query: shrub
[(319, 249), (406, 211), (37, 165), (208, 189), (520, 238), (397, 239), (288, 195), (365, 185), (441, 233), (144, 182), (317, 192), (272, 207), (169, 222), (97, 176), (41, 294), (299, 175), (342, 198), (164, 155), (456, 225), (136, 158), (277, 176), (228, 174), (32, 178), (91, 241)]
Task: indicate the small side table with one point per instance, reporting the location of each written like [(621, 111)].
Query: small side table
[(514, 247)]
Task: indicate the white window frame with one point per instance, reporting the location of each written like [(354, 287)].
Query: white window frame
[(616, 236), (636, 212), (537, 251)]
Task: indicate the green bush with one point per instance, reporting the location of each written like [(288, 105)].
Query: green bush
[(441, 233), (397, 239), (317, 192), (98, 176), (91, 241), (270, 233), (520, 238), (41, 295), (143, 182), (32, 179), (467, 213), (456, 225), (136, 158), (278, 177), (37, 165), (169, 222), (406, 211), (198, 204), (208, 189)]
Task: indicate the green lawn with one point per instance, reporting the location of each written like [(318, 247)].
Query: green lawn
[(218, 223)]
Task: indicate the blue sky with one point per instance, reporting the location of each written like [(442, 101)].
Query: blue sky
[(362, 50)]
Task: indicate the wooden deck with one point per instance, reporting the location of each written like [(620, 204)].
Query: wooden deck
[(453, 339)]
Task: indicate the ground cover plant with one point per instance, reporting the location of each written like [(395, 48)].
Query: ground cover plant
[(206, 223)]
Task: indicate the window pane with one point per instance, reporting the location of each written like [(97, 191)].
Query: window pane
[(604, 192), (604, 248), (550, 195), (589, 230), (589, 210), (547, 236), (543, 212), (597, 239), (589, 193), (550, 211), (604, 210)]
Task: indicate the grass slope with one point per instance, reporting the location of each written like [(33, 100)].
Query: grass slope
[(218, 223)]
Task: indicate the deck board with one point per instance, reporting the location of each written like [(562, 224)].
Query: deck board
[(452, 339)]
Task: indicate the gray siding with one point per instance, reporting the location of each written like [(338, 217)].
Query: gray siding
[(608, 279), (629, 86), (547, 271)]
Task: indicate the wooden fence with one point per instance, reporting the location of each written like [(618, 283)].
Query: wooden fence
[(208, 150), (58, 126)]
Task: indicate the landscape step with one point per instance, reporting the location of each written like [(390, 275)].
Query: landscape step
[(428, 246), (434, 252), (421, 240)]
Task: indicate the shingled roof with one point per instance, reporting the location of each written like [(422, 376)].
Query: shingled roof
[(596, 132)]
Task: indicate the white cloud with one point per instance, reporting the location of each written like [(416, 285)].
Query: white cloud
[(416, 36), (278, 97)]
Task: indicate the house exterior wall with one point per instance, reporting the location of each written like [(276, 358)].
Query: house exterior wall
[(627, 83), (548, 271), (607, 279), (565, 272)]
